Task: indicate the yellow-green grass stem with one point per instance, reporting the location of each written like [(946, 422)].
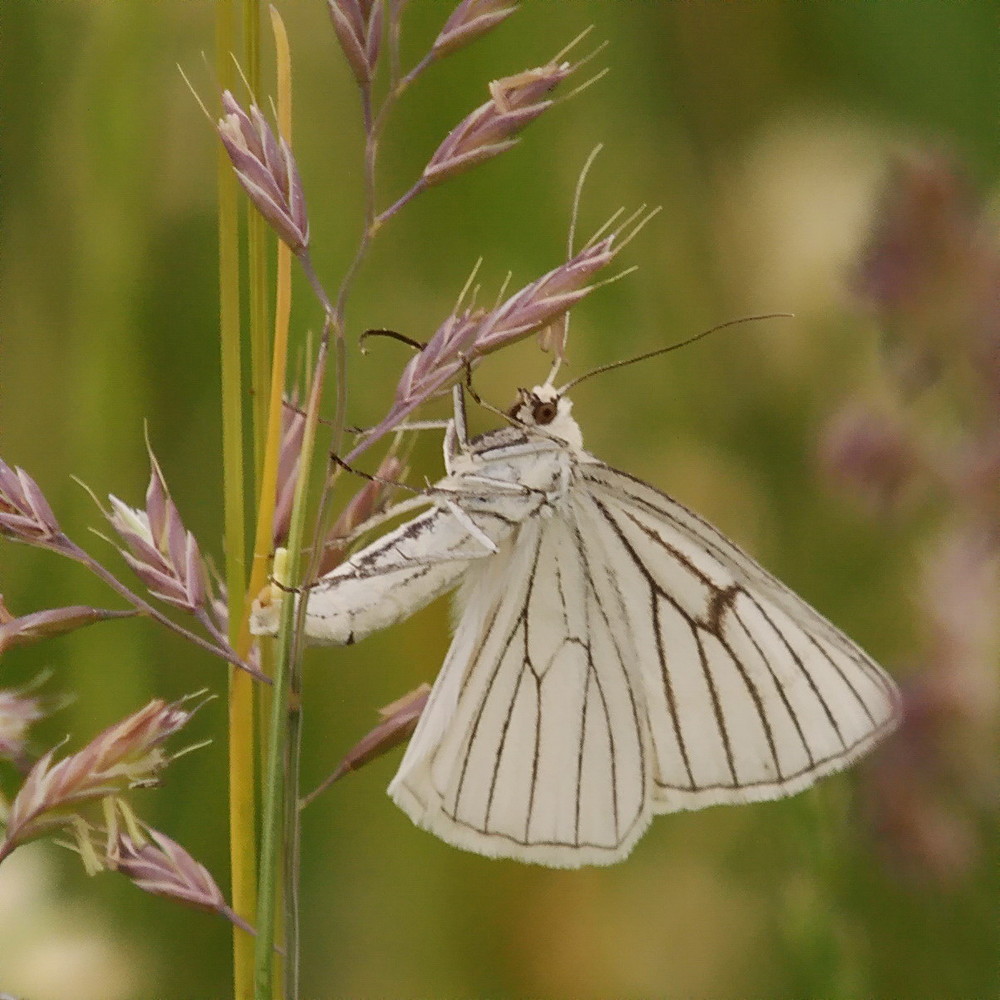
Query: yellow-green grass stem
[(242, 804)]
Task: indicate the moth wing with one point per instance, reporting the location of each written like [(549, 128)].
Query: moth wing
[(751, 693), (405, 569), (534, 743)]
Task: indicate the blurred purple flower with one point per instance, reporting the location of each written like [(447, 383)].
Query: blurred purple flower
[(870, 454), (930, 273)]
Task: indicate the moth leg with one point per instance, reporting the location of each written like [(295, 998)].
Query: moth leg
[(420, 425), (403, 507), (456, 435), (337, 460), (499, 485), (470, 526)]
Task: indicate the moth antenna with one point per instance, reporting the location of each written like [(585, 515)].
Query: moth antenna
[(672, 347)]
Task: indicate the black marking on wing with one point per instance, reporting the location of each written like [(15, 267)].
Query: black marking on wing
[(722, 612), (722, 599)]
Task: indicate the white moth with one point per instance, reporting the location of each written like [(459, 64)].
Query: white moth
[(614, 655)]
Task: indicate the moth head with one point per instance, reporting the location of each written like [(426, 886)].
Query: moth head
[(538, 407), (543, 406)]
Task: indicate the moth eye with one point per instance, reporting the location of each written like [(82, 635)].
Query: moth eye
[(545, 413)]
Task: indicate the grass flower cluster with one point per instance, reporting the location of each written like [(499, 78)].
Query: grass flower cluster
[(85, 794)]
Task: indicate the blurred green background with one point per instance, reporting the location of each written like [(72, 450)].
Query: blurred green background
[(763, 129)]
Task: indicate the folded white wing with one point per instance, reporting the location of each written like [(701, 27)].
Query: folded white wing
[(535, 742), (751, 694), (400, 572)]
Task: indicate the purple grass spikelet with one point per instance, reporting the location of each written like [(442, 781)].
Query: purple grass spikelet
[(468, 335), (160, 552), (515, 102), (470, 20), (19, 709), (159, 865), (31, 628), (293, 424), (25, 514), (266, 168), (358, 26), (399, 719), (127, 754)]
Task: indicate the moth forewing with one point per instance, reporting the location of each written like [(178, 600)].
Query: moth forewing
[(494, 482)]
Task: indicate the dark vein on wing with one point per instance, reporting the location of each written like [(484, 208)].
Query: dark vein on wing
[(846, 680), (779, 687), (720, 719), (538, 692), (797, 660), (482, 704), (625, 673), (722, 599)]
